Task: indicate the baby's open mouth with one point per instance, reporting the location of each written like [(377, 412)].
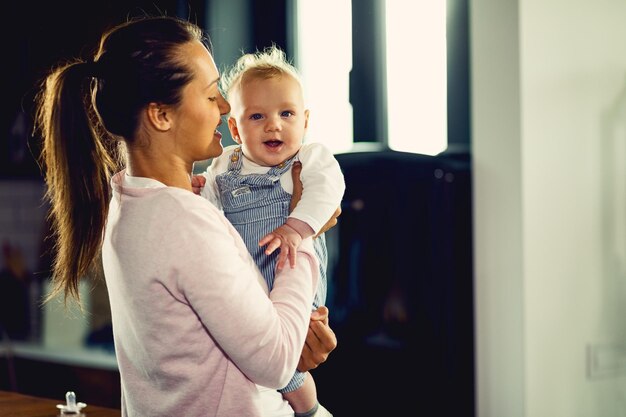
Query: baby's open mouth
[(273, 143)]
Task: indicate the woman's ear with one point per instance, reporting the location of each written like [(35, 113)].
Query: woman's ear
[(159, 117), (234, 131)]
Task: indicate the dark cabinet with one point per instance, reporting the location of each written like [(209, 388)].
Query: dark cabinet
[(401, 288)]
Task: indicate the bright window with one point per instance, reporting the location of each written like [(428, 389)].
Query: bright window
[(415, 70), (324, 58), (416, 75)]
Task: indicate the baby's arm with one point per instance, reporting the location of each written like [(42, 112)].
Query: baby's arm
[(317, 210), (289, 236), (323, 187)]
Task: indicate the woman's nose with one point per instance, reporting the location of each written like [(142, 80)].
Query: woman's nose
[(224, 106)]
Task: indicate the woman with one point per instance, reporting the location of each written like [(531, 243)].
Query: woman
[(194, 333)]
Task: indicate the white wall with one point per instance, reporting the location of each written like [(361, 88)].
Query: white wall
[(549, 150)]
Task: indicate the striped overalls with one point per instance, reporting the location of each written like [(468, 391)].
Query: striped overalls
[(256, 204)]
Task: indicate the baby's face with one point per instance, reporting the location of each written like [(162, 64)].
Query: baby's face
[(268, 119)]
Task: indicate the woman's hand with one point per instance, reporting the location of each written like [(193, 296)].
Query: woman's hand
[(332, 222), (296, 169), (297, 194), (320, 341)]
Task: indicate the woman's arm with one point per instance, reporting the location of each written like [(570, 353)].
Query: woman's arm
[(263, 336)]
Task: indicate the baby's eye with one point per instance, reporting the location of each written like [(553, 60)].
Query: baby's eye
[(255, 116), (286, 113)]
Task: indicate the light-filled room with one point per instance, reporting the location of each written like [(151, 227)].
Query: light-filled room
[(169, 247)]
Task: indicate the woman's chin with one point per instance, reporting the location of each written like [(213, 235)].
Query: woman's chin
[(214, 151)]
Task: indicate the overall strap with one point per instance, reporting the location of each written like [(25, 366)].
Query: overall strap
[(236, 163), (283, 167)]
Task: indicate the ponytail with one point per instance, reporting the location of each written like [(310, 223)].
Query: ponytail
[(82, 109), (77, 169)]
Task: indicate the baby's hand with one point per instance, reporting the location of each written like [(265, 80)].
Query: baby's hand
[(197, 183), (287, 239)]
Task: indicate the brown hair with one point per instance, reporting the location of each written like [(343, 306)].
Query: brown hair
[(83, 109)]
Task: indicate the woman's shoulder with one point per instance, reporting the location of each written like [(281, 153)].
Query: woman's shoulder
[(187, 199), (184, 213), (178, 204)]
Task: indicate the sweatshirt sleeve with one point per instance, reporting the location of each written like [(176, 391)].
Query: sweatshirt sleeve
[(263, 336), (323, 186)]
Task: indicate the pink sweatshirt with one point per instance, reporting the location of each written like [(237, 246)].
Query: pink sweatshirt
[(193, 326)]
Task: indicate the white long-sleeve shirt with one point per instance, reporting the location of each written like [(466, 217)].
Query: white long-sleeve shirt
[(193, 325), (322, 181)]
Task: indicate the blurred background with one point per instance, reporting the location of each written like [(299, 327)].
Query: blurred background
[(479, 265)]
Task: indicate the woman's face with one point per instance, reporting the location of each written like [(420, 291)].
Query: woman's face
[(199, 114)]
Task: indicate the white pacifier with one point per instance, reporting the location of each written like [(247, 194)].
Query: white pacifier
[(71, 406)]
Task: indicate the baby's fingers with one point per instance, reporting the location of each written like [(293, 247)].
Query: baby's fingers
[(267, 239), (197, 183), (282, 257), (273, 242), (292, 257)]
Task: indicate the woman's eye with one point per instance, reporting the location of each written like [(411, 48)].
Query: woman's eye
[(213, 98)]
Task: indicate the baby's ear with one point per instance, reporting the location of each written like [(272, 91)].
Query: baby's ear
[(306, 118), (234, 131)]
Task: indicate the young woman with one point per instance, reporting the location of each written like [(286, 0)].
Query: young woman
[(195, 331)]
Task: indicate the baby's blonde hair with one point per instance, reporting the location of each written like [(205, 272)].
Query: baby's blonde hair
[(271, 62)]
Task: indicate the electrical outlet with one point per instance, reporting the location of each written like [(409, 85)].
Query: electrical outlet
[(606, 360)]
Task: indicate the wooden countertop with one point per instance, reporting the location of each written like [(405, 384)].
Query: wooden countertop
[(13, 404)]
